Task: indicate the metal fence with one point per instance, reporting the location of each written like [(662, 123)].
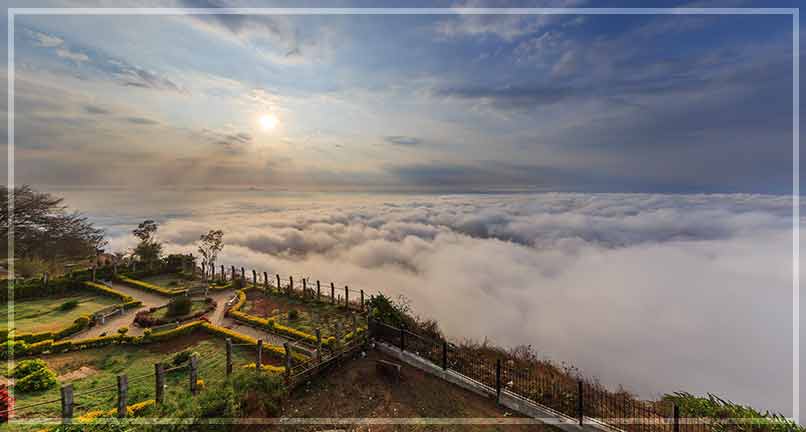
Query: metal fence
[(577, 399)]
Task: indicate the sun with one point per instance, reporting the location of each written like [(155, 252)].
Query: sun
[(268, 122)]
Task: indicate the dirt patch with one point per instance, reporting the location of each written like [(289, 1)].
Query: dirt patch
[(261, 305), (82, 372), (355, 389)]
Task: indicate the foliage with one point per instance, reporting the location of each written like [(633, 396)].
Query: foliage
[(17, 345), (727, 413), (149, 249), (181, 357), (210, 245), (383, 309), (122, 331), (108, 291), (148, 286), (179, 306), (293, 314), (44, 228), (68, 305), (38, 379), (260, 395), (27, 367)]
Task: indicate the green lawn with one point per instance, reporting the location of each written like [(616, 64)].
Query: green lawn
[(97, 368), (196, 306), (312, 314), (38, 315)]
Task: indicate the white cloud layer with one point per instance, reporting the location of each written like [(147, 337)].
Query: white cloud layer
[(659, 293)]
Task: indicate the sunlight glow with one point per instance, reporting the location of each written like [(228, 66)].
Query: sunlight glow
[(268, 122)]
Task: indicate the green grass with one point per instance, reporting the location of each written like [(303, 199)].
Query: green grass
[(169, 281), (38, 315), (195, 307), (134, 361), (312, 314)]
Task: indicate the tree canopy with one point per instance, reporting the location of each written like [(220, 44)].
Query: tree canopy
[(210, 245), (149, 249), (44, 228)]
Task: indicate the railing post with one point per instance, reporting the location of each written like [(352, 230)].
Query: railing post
[(444, 355), (123, 389), (287, 362), (498, 381), (259, 359), (194, 373), (580, 404), (318, 292), (67, 403), (159, 383), (229, 356), (332, 293), (402, 339), (676, 418), (318, 346)]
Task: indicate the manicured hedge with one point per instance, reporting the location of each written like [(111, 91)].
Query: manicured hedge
[(109, 291), (272, 326), (149, 286)]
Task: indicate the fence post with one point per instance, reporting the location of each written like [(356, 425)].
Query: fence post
[(580, 405), (254, 278), (498, 381), (123, 389), (291, 285), (676, 418), (232, 270), (318, 292), (194, 372), (159, 383), (259, 359), (332, 293), (243, 276), (304, 288), (45, 278), (318, 346), (93, 273), (266, 281), (346, 297), (278, 283), (402, 339), (287, 362), (223, 274), (362, 300), (229, 356), (67, 403), (444, 355)]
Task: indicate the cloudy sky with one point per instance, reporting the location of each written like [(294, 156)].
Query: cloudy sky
[(259, 125), (576, 102)]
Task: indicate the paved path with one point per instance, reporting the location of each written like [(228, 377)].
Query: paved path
[(150, 299)]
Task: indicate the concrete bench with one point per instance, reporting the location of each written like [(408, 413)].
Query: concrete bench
[(388, 369)]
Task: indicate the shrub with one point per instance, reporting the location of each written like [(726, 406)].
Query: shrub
[(238, 283), (181, 357), (293, 315), (27, 367), (19, 347), (260, 395), (68, 305), (179, 306), (122, 331), (41, 379)]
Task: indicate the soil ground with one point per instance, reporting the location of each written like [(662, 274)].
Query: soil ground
[(356, 390)]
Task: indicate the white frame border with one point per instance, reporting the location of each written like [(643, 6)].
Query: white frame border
[(12, 12)]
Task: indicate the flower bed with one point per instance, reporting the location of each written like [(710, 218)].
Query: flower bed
[(156, 316)]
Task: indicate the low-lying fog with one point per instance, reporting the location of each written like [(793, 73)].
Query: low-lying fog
[(658, 293)]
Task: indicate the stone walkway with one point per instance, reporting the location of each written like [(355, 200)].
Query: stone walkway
[(150, 299)]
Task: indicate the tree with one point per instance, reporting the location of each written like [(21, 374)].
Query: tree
[(210, 245), (149, 249), (44, 228)]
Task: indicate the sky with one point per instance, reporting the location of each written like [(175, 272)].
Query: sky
[(636, 223), (421, 102)]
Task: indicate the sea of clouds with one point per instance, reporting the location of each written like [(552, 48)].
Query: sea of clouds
[(657, 293)]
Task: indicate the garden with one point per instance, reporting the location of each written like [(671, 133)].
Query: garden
[(178, 309), (302, 317), (97, 368)]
